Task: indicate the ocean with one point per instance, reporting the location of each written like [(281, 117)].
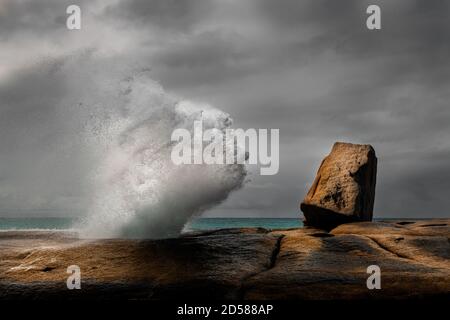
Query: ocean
[(220, 223), (199, 224)]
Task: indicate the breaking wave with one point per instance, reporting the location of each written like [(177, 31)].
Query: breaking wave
[(137, 192)]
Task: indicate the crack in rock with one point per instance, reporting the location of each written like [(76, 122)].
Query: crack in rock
[(382, 246), (272, 261)]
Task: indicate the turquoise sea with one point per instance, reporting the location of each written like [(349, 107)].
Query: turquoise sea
[(36, 223), (220, 223), (194, 225)]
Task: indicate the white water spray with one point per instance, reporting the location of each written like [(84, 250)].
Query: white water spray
[(137, 191)]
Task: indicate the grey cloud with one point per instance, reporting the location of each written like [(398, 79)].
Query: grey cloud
[(28, 103), (311, 69), (341, 25), (211, 57), (42, 160), (293, 14), (335, 81), (173, 15), (336, 27), (420, 181)]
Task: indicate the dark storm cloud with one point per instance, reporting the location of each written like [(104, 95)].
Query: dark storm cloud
[(390, 91), (209, 57), (414, 42), (326, 13), (28, 104), (42, 160), (420, 184), (412, 25), (310, 68), (166, 14)]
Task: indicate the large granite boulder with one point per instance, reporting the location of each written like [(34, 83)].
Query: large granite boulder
[(344, 188)]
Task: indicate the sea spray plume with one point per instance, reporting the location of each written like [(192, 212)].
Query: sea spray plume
[(139, 192), (98, 143)]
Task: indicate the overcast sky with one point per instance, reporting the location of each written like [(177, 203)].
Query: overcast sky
[(309, 68)]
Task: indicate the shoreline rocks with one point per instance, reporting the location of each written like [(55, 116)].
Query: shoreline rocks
[(251, 263), (344, 188)]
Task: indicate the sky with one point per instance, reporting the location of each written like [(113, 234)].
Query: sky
[(308, 68)]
